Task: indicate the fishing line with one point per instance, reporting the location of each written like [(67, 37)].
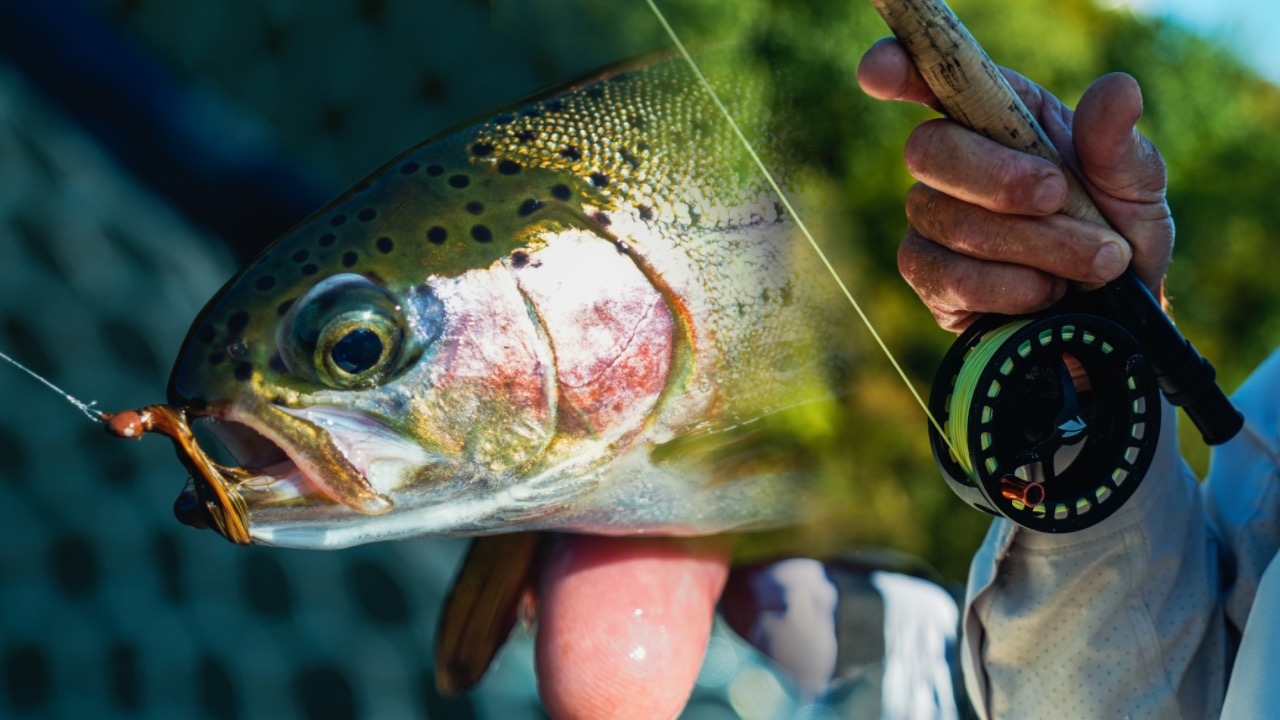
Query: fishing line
[(804, 229), (86, 408), (975, 362)]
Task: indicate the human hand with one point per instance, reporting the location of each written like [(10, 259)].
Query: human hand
[(984, 235)]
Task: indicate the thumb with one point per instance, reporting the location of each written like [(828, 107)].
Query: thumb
[(1124, 171)]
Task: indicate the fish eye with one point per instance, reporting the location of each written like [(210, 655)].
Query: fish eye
[(346, 332), (353, 348)]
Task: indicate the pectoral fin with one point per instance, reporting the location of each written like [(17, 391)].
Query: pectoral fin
[(483, 606)]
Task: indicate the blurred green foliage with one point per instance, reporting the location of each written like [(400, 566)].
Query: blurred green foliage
[(1213, 118)]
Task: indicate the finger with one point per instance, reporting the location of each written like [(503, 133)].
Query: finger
[(624, 623), (963, 164), (957, 288), (1124, 172), (1059, 245), (886, 72)]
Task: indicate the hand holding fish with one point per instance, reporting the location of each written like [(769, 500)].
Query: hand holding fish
[(984, 235)]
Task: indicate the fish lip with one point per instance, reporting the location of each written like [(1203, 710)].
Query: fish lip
[(282, 453)]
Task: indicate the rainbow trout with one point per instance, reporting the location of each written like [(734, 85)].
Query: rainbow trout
[(578, 314)]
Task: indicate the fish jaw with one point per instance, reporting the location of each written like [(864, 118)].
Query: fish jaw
[(311, 455)]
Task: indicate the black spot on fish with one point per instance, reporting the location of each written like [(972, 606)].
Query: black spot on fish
[(694, 217), (409, 168), (646, 212), (283, 307), (437, 235), (337, 220), (482, 149), (243, 371), (237, 322), (475, 208), (642, 146), (327, 239), (266, 282), (599, 179), (527, 136), (503, 120), (205, 334), (595, 92), (571, 152), (459, 181), (787, 294), (561, 192), (367, 214), (385, 244), (529, 207), (300, 256), (780, 210), (601, 218), (628, 157), (554, 106), (349, 258), (508, 167), (481, 233), (362, 186), (764, 295), (434, 170), (310, 269), (519, 259), (276, 363), (637, 121), (217, 358)]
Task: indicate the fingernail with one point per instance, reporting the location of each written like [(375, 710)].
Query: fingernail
[(1111, 260), (1050, 194)]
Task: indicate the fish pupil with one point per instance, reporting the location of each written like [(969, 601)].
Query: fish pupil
[(357, 351)]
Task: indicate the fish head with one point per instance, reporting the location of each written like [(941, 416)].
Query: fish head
[(381, 354)]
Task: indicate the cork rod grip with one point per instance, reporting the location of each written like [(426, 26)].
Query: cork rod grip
[(972, 89)]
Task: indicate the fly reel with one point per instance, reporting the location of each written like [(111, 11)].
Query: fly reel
[(1052, 421)]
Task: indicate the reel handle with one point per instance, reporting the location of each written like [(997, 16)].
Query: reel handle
[(975, 94), (1184, 376)]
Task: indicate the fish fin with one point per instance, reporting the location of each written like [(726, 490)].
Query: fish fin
[(490, 592)]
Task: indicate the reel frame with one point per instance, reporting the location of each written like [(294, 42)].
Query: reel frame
[(1044, 455)]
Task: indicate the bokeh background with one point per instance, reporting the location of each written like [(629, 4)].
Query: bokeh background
[(147, 147)]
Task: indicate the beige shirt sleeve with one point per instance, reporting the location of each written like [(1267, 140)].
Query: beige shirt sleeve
[(1120, 620)]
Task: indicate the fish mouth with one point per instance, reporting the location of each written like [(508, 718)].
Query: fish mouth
[(280, 457)]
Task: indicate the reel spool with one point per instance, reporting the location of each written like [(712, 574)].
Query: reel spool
[(1032, 447)]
